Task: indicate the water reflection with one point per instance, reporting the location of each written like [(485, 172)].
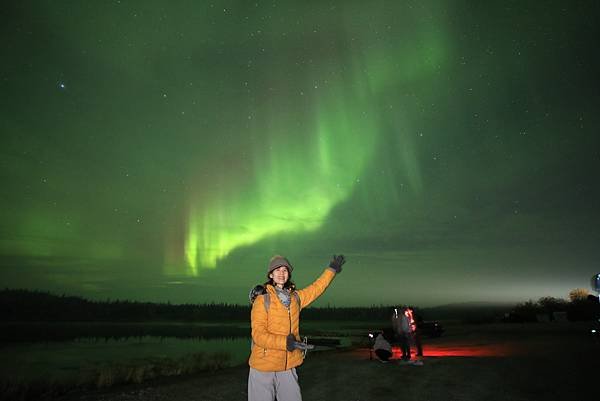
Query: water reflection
[(66, 331)]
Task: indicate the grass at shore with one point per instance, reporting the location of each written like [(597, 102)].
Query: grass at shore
[(111, 374)]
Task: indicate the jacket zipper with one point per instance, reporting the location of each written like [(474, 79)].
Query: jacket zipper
[(290, 320)]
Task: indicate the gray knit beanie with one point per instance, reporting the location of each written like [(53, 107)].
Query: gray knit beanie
[(278, 261)]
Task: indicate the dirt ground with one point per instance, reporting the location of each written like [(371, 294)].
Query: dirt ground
[(508, 362)]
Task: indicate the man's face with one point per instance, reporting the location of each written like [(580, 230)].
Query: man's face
[(280, 275)]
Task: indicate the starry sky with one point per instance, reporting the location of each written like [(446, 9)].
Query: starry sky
[(164, 151)]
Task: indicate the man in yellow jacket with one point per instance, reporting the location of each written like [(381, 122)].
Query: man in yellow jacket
[(275, 331)]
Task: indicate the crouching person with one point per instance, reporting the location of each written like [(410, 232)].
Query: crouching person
[(275, 321), (382, 347)]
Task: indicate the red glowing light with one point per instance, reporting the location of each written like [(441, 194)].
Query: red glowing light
[(489, 350)]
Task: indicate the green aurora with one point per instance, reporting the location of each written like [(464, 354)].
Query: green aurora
[(309, 160), (164, 151)]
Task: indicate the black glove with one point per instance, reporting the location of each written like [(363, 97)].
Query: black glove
[(290, 342), (337, 262)]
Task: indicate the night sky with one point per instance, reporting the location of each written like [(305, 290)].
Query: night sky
[(164, 151)]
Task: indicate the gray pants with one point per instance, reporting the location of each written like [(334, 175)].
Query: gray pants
[(266, 386)]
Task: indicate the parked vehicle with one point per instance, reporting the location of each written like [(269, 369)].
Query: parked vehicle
[(430, 328)]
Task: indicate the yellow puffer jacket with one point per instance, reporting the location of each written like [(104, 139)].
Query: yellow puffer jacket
[(270, 329)]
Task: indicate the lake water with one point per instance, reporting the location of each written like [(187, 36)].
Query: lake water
[(59, 351), (57, 360)]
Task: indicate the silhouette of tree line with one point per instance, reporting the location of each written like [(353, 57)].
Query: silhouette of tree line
[(581, 306), (21, 305)]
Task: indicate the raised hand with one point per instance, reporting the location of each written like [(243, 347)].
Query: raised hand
[(337, 262)]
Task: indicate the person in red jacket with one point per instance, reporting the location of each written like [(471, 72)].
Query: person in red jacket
[(275, 321)]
